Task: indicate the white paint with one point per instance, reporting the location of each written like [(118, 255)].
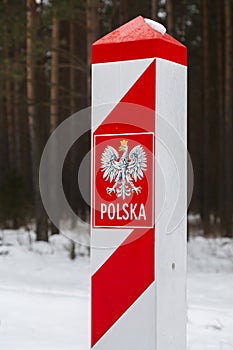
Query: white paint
[(110, 82), (156, 25), (132, 211), (103, 244), (171, 86), (135, 329)]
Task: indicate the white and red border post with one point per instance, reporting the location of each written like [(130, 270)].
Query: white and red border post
[(138, 298)]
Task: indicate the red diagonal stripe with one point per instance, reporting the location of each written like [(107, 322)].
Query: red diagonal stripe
[(121, 280), (130, 108), (146, 83)]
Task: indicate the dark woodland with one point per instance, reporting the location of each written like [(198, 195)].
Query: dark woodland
[(45, 75)]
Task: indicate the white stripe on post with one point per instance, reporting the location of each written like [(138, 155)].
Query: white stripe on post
[(171, 105)]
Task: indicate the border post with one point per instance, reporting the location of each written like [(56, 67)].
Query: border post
[(138, 265)]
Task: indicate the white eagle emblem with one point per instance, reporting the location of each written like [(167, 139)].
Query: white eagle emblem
[(130, 167)]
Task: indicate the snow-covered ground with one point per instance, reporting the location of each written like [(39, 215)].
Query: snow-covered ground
[(44, 296)]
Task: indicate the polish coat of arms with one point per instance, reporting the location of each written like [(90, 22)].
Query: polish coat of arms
[(125, 171)]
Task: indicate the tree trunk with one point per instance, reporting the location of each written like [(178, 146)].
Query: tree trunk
[(17, 112), (54, 103), (123, 11), (206, 122), (170, 16), (10, 122), (3, 153), (228, 120), (41, 217), (73, 106), (92, 19), (154, 9), (8, 94), (183, 21), (221, 139)]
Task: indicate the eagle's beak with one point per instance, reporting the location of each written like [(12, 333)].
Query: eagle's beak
[(121, 148)]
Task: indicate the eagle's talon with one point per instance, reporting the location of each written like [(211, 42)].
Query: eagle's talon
[(110, 190), (137, 190)]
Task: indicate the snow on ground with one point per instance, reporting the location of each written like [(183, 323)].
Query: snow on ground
[(35, 321), (210, 294), (210, 255), (210, 311), (44, 296)]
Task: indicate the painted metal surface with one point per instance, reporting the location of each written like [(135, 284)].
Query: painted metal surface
[(138, 270)]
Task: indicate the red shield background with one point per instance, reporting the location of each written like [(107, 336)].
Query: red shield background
[(100, 185)]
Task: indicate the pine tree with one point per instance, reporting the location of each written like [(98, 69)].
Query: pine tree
[(206, 121), (41, 217), (228, 151)]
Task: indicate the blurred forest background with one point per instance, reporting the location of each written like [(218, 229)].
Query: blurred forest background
[(45, 59)]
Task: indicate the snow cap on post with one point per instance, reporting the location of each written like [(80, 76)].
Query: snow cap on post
[(156, 25), (138, 39)]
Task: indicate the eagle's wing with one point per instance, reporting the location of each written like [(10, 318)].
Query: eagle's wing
[(110, 166), (138, 162)]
